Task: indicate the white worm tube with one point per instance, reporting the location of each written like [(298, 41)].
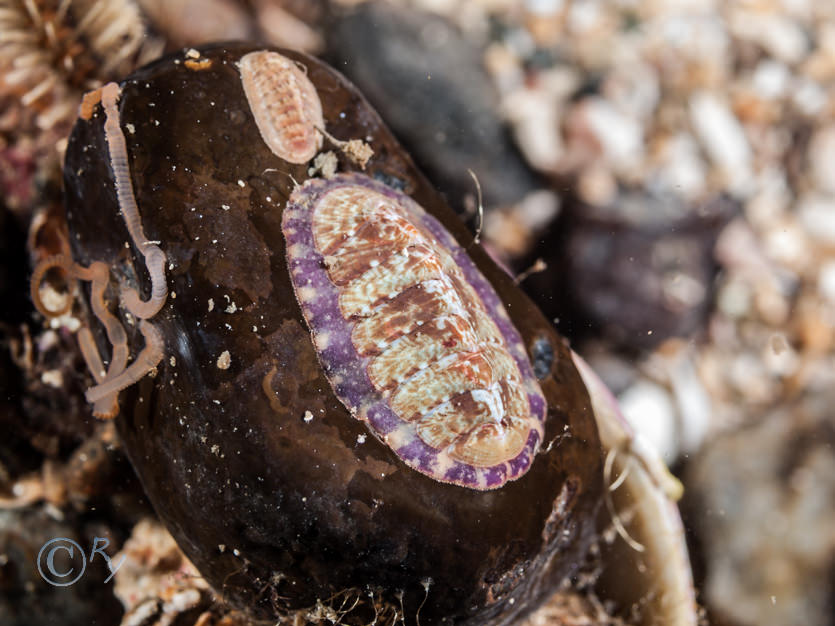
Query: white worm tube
[(145, 309), (99, 274), (104, 395), (147, 360), (153, 255), (108, 406)]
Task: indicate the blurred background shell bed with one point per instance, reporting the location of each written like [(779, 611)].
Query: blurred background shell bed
[(660, 177)]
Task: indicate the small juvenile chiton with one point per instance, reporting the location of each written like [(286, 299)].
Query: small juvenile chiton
[(412, 337), (285, 105)]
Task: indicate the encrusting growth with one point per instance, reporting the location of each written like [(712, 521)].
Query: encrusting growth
[(118, 375)]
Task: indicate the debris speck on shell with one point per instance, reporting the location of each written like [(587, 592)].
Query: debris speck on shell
[(200, 65), (224, 360), (326, 163), (358, 151), (54, 378)]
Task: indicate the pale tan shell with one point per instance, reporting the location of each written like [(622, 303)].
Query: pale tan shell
[(285, 105)]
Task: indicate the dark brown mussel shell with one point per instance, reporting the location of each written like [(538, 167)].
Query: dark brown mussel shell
[(280, 497)]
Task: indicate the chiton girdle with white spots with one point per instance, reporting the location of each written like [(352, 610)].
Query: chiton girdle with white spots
[(412, 337)]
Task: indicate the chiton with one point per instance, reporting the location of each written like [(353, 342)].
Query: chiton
[(412, 337), (284, 103), (315, 433)]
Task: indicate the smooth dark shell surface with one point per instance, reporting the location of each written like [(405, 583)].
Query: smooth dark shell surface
[(279, 496)]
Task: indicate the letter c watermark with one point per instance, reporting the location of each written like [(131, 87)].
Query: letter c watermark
[(53, 576), (60, 579)]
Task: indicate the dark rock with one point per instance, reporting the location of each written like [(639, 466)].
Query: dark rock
[(634, 273), (430, 86)]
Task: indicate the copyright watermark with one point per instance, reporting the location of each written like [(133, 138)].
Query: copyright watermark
[(62, 561)]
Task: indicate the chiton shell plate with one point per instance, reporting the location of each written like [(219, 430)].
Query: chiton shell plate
[(412, 337)]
